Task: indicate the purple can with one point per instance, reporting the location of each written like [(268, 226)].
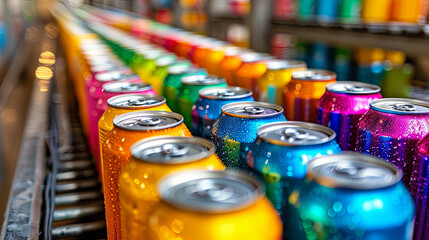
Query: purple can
[(342, 106), (391, 129), (420, 189)]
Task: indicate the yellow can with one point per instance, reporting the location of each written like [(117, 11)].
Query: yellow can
[(215, 56), (410, 11), (376, 11), (367, 56), (213, 205), (269, 88), (152, 159)]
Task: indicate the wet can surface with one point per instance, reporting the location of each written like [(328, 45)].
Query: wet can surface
[(303, 92), (173, 81), (236, 127), (391, 129), (269, 88), (420, 189), (208, 107), (342, 106), (128, 129), (253, 66), (189, 93), (201, 203), (353, 196), (279, 157), (123, 104), (151, 160)]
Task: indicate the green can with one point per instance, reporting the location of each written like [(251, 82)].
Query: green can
[(147, 64), (189, 93), (156, 78), (350, 11), (172, 82), (306, 10)]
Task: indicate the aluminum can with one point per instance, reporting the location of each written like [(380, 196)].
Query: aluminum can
[(189, 93), (145, 68), (239, 203), (319, 55), (306, 10), (342, 63), (269, 88), (391, 129), (156, 78), (229, 65), (173, 81), (208, 107), (123, 104), (152, 159), (129, 128), (342, 106), (376, 11), (353, 196), (236, 128), (303, 92), (252, 68), (279, 157), (349, 12), (215, 56), (420, 188), (409, 11), (326, 11), (285, 9)]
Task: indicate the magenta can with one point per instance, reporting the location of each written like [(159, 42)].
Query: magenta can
[(93, 91), (391, 129), (420, 189), (341, 107)]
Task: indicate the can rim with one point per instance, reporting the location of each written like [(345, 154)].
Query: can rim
[(203, 92), (111, 101), (330, 182), (124, 116), (155, 141), (312, 126), (187, 80), (109, 87), (275, 107), (329, 75), (176, 179), (373, 105), (375, 88), (182, 67), (284, 64)]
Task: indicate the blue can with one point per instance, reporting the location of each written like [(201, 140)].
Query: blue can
[(319, 56), (208, 107), (353, 196), (326, 11), (279, 156), (236, 128)]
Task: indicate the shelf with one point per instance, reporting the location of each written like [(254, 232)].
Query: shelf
[(240, 20), (412, 45)]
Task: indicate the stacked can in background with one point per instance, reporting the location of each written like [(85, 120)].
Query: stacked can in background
[(128, 129), (253, 66), (208, 107), (152, 159), (303, 92), (238, 205), (156, 78), (236, 128), (279, 157), (391, 129), (353, 196), (342, 106)]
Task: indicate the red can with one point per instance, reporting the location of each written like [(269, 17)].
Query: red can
[(302, 93)]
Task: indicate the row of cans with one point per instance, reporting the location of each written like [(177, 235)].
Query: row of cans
[(353, 11), (317, 197)]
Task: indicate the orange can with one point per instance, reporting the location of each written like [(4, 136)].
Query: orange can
[(411, 11), (127, 129), (152, 159), (216, 55), (229, 65), (200, 52), (252, 68), (215, 205), (303, 92), (183, 47), (123, 104)]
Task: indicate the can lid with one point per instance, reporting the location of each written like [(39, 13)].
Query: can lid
[(314, 75), (277, 64), (147, 120), (293, 133), (353, 170), (116, 75), (250, 57), (353, 88), (225, 93), (153, 54), (104, 67), (165, 60), (172, 150), (201, 80), (403, 106), (179, 67), (135, 101), (210, 191), (252, 109), (126, 87)]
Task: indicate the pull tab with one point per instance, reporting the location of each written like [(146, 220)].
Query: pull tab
[(173, 150), (149, 122), (213, 192), (253, 110), (130, 87), (137, 102), (225, 93), (294, 135), (404, 107), (346, 169), (353, 171), (353, 88)]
